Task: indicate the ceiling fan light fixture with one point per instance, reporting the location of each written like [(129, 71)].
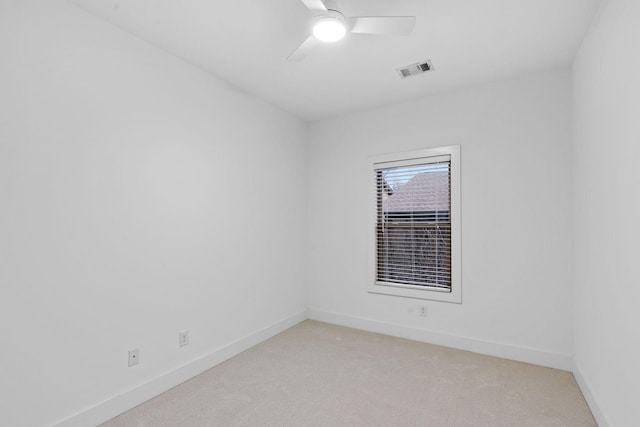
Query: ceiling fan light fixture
[(330, 25), (329, 29)]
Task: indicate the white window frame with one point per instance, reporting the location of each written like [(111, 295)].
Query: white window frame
[(408, 159)]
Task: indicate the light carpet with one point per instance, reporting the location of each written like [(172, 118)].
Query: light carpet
[(317, 374)]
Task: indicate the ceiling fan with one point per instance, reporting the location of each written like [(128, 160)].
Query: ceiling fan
[(331, 25)]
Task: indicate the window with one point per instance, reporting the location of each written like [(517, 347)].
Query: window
[(416, 250)]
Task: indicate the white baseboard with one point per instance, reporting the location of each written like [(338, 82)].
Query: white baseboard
[(116, 405), (599, 416), (506, 351), (105, 410)]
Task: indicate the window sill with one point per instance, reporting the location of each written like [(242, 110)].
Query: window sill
[(416, 292)]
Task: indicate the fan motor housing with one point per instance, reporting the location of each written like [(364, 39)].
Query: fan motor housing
[(331, 14)]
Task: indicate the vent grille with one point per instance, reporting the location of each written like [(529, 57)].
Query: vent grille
[(415, 69)]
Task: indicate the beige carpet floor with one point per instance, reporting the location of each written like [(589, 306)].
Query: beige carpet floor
[(316, 374)]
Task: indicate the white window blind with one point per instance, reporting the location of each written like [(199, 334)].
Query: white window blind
[(413, 223)]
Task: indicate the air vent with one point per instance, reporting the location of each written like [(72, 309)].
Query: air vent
[(414, 69)]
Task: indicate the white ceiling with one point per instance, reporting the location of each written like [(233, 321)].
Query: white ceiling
[(246, 42)]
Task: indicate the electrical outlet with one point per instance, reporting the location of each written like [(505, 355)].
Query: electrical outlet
[(422, 310), (183, 338), (134, 357)]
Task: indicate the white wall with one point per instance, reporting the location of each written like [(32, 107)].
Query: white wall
[(139, 196), (606, 152), (515, 139), (132, 185)]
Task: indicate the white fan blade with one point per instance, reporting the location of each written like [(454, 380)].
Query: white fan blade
[(301, 52), (385, 25), (315, 5)]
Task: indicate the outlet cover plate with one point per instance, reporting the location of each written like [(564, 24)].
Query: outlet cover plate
[(134, 357), (183, 338)]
